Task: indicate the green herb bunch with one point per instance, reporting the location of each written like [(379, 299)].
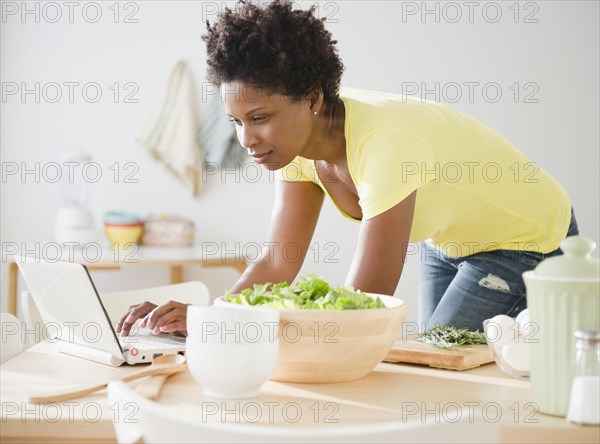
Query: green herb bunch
[(451, 337)]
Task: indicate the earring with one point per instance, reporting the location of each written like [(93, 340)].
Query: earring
[(315, 113)]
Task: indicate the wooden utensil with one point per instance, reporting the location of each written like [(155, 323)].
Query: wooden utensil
[(164, 365), (152, 386), (461, 358)]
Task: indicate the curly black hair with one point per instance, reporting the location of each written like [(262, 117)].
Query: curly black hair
[(274, 47)]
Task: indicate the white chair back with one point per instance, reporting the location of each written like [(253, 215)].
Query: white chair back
[(141, 420), (35, 331), (12, 342)]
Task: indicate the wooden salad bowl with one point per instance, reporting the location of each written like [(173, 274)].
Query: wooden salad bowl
[(324, 346)]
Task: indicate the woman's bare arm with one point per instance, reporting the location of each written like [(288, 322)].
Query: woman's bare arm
[(293, 221), (381, 250)]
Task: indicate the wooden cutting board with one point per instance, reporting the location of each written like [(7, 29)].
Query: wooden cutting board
[(415, 352)]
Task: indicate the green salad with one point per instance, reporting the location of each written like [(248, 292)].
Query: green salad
[(309, 293)]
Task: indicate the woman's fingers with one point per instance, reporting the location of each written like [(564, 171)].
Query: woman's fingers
[(176, 315), (157, 318), (177, 327), (134, 313), (155, 315)]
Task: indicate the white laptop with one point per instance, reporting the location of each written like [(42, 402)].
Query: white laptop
[(76, 321)]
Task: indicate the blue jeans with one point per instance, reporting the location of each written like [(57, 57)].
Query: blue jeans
[(464, 291)]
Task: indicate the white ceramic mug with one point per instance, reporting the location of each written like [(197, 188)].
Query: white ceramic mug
[(230, 351)]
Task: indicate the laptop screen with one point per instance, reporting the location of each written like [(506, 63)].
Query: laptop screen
[(69, 304)]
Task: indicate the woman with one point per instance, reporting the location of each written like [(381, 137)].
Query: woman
[(406, 170)]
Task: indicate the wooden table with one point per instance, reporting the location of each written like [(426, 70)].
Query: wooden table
[(392, 392), (106, 258)]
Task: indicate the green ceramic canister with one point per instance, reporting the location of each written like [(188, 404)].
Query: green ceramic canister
[(563, 295)]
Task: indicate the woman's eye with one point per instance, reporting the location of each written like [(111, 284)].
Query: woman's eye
[(255, 119)]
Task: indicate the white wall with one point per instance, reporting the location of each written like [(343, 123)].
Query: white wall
[(384, 47)]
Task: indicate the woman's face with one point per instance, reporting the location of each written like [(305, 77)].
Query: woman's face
[(271, 127)]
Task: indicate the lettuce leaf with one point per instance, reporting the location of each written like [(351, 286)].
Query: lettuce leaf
[(311, 292)]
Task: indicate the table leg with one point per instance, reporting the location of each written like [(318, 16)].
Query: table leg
[(176, 274), (239, 264), (13, 274)]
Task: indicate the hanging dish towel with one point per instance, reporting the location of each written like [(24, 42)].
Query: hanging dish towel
[(170, 133), (217, 136)]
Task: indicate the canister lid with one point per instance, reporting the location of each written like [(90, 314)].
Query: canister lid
[(575, 263)]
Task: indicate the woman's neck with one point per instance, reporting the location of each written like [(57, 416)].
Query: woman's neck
[(329, 141)]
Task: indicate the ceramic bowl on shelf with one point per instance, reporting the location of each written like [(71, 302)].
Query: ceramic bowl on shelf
[(122, 235), (123, 229), (323, 346)]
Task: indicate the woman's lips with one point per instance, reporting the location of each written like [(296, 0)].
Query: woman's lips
[(261, 157)]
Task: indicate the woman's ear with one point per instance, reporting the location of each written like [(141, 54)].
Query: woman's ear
[(316, 98)]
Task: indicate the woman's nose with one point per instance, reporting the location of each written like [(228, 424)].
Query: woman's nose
[(247, 137)]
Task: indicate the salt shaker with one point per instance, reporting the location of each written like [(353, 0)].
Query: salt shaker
[(584, 406)]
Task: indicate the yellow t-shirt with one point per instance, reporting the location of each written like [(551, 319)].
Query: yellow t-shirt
[(476, 191)]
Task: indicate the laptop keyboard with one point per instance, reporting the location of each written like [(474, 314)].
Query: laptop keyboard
[(148, 342)]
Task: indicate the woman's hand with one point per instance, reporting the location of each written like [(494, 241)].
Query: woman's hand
[(133, 313), (167, 318)]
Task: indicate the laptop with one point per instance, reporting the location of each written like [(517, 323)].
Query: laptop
[(76, 320)]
